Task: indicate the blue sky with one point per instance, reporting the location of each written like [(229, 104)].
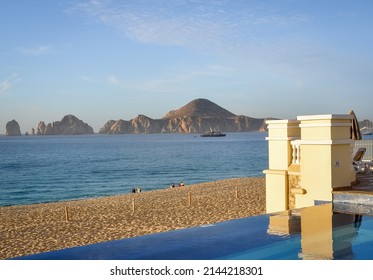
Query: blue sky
[(106, 59)]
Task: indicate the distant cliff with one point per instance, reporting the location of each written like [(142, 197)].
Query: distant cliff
[(197, 116), (12, 128), (69, 125)]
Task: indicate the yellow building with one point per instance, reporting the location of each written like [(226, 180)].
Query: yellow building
[(308, 158)]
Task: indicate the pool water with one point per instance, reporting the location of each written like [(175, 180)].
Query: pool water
[(309, 233)]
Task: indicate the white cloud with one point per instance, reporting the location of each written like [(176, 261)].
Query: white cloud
[(37, 50), (8, 83), (4, 85), (262, 39), (85, 78), (113, 80), (187, 80), (213, 25)]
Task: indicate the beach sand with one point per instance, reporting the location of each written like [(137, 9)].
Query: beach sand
[(39, 228)]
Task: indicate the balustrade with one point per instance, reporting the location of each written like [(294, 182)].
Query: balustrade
[(295, 147)]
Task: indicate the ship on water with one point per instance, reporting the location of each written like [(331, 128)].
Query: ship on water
[(366, 131), (213, 134)]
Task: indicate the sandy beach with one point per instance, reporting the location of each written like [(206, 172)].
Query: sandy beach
[(46, 227)]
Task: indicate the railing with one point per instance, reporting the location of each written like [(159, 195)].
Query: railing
[(368, 145), (295, 147)]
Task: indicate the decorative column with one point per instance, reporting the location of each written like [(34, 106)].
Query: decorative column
[(325, 157), (280, 134)]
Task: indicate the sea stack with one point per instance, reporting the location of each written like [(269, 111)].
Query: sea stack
[(40, 129), (12, 128), (69, 125)]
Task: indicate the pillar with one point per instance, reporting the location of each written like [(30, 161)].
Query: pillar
[(280, 133), (325, 157)]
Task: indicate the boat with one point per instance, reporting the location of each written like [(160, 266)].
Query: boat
[(366, 131), (213, 134)]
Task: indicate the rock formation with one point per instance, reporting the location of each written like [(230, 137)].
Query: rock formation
[(144, 124), (40, 129), (116, 127), (12, 128), (69, 125), (197, 116)]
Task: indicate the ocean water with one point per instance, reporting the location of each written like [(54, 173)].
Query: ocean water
[(37, 169)]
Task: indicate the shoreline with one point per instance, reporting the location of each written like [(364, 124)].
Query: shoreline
[(42, 227)]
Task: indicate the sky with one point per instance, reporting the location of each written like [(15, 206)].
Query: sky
[(109, 59)]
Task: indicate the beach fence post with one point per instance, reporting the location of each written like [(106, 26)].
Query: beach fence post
[(66, 214), (189, 199), (133, 205)]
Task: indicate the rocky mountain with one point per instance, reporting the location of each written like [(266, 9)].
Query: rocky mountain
[(200, 108), (12, 128), (197, 116), (69, 125)]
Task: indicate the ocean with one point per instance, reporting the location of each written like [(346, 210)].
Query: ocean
[(38, 169)]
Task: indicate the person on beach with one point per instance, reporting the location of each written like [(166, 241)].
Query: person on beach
[(138, 189), (133, 190), (181, 184), (172, 185)]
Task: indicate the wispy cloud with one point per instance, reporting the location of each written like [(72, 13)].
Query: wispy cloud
[(212, 25), (36, 50), (186, 80), (6, 84), (113, 80), (262, 38), (85, 78)]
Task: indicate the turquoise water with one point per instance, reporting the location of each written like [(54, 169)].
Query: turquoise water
[(36, 169), (319, 234)]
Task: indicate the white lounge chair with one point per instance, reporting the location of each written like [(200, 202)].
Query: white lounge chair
[(359, 165)]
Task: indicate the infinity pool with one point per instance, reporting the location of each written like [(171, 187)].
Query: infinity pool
[(309, 233)]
